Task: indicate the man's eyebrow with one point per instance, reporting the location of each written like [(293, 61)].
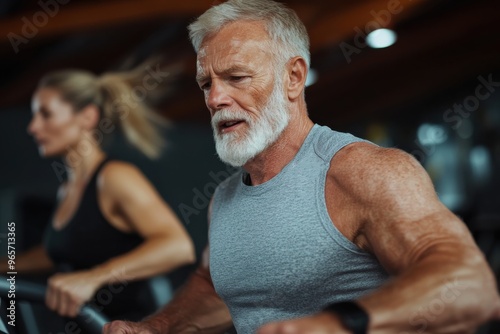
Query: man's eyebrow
[(201, 77), (235, 68), (225, 72)]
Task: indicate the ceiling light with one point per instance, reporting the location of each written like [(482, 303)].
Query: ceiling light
[(381, 38)]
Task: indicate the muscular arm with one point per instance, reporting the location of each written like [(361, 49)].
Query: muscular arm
[(442, 283), (196, 308), (384, 202)]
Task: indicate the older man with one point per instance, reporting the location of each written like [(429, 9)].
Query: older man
[(321, 232)]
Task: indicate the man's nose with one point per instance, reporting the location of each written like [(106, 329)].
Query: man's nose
[(218, 96)]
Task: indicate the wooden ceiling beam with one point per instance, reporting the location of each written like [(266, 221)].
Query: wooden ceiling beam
[(66, 19), (341, 25), (327, 30)]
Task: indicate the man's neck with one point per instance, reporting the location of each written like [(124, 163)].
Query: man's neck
[(272, 160)]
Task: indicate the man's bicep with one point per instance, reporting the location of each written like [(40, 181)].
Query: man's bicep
[(400, 245), (406, 221)]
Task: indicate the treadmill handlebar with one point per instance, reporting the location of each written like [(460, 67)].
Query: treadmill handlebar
[(89, 318)]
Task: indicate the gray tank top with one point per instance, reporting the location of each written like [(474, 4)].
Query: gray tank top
[(274, 251)]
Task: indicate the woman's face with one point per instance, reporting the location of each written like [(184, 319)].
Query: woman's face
[(55, 125)]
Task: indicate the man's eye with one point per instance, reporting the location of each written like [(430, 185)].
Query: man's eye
[(237, 78), (205, 86)]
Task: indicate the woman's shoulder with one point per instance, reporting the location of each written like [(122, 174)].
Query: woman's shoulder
[(120, 178), (122, 168)]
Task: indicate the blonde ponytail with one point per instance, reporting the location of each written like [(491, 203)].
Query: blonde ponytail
[(114, 95), (138, 122)]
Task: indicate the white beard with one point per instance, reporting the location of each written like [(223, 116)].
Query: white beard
[(236, 148)]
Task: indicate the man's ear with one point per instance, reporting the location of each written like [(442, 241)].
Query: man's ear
[(297, 74), (90, 116)]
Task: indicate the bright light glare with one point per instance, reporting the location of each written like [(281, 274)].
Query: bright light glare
[(312, 77), (480, 161), (381, 38), (431, 134)]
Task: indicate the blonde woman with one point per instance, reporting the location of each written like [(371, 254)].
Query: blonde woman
[(110, 225)]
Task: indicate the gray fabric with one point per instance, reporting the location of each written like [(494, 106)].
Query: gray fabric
[(274, 252)]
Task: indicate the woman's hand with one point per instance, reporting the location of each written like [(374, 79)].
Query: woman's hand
[(67, 292)]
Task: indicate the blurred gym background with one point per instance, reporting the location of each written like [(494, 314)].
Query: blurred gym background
[(423, 76)]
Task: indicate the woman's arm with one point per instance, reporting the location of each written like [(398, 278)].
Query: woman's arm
[(166, 243), (34, 260)]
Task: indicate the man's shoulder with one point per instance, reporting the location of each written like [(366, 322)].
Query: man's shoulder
[(365, 156), (364, 151), (329, 142), (361, 166)]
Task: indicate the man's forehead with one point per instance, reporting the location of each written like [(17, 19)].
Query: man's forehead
[(233, 48), (234, 51), (233, 38)]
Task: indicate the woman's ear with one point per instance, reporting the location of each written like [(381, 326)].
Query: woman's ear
[(297, 74), (90, 116)]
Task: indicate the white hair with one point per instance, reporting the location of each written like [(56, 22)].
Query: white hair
[(282, 24)]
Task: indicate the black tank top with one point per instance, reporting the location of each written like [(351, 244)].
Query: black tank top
[(88, 240)]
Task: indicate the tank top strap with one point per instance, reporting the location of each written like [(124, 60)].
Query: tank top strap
[(100, 166)]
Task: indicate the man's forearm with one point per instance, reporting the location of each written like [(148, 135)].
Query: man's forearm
[(419, 302), (196, 308)]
